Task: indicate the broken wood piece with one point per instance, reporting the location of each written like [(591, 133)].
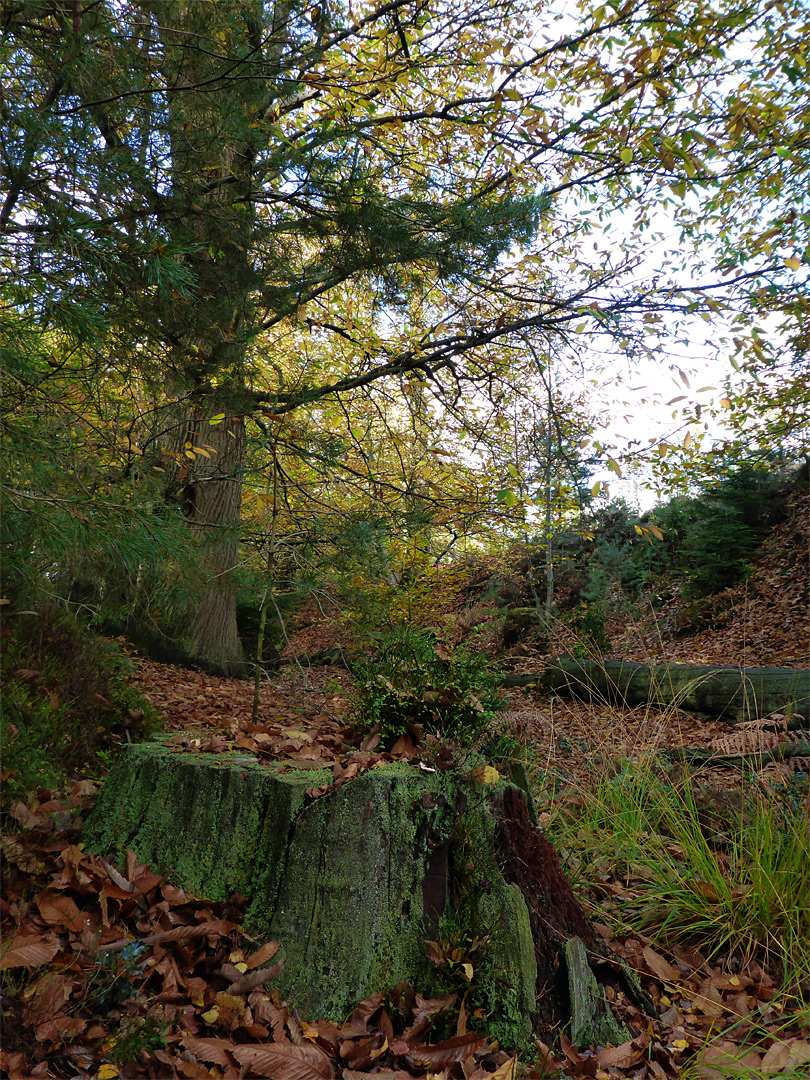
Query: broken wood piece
[(592, 1021)]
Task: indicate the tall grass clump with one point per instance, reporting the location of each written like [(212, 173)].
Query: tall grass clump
[(734, 884)]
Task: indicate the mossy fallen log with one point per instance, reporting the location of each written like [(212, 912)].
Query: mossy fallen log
[(756, 758), (729, 693), (356, 883)]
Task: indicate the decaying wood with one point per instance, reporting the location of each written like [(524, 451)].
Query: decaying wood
[(592, 1022), (349, 882), (751, 759), (729, 693)]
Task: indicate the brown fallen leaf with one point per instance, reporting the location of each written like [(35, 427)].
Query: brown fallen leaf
[(26, 817), (706, 890), (30, 951), (45, 998), (361, 1014), (424, 1011), (58, 910), (174, 896), (178, 933), (60, 1029), (303, 1062), (546, 1057), (720, 1058), (709, 1000), (265, 1011), (403, 747), (362, 1053), (506, 1071), (786, 1054), (214, 1051), (15, 1065), (262, 955), (660, 967), (446, 1053), (461, 1025), (254, 979), (622, 1057), (192, 1070), (378, 1074)]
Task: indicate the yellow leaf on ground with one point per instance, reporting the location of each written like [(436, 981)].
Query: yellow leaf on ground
[(487, 775), (293, 733), (506, 1071)]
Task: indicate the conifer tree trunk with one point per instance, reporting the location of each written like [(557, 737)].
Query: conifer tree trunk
[(216, 506), (214, 196)]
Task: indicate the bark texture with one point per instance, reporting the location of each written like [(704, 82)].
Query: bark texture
[(212, 201), (217, 500), (354, 883), (726, 692)]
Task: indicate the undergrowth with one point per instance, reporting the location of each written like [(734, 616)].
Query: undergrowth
[(739, 891), (66, 701), (417, 681)]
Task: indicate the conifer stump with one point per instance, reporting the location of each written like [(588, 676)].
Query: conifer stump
[(356, 884)]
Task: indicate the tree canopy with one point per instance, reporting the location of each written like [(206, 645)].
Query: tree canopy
[(333, 243)]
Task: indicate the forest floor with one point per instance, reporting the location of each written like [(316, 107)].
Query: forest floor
[(116, 973), (177, 957)]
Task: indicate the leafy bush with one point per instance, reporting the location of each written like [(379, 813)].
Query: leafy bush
[(589, 625), (415, 680), (66, 700)]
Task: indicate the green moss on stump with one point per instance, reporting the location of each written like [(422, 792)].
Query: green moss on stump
[(592, 1022), (339, 881), (218, 826)]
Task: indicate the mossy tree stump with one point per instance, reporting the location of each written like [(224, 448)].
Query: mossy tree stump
[(354, 882)]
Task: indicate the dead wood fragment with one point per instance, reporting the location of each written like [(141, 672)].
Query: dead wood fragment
[(592, 1022), (759, 758)]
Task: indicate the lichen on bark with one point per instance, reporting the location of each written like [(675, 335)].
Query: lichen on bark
[(347, 882)]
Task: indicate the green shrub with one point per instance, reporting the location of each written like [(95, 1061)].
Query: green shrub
[(135, 1035), (415, 680), (66, 701), (589, 625)]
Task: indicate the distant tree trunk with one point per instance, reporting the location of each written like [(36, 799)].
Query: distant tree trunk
[(215, 485), (213, 196), (549, 531), (269, 570)]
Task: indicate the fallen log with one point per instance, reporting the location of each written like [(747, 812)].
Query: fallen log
[(752, 759), (726, 692)]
